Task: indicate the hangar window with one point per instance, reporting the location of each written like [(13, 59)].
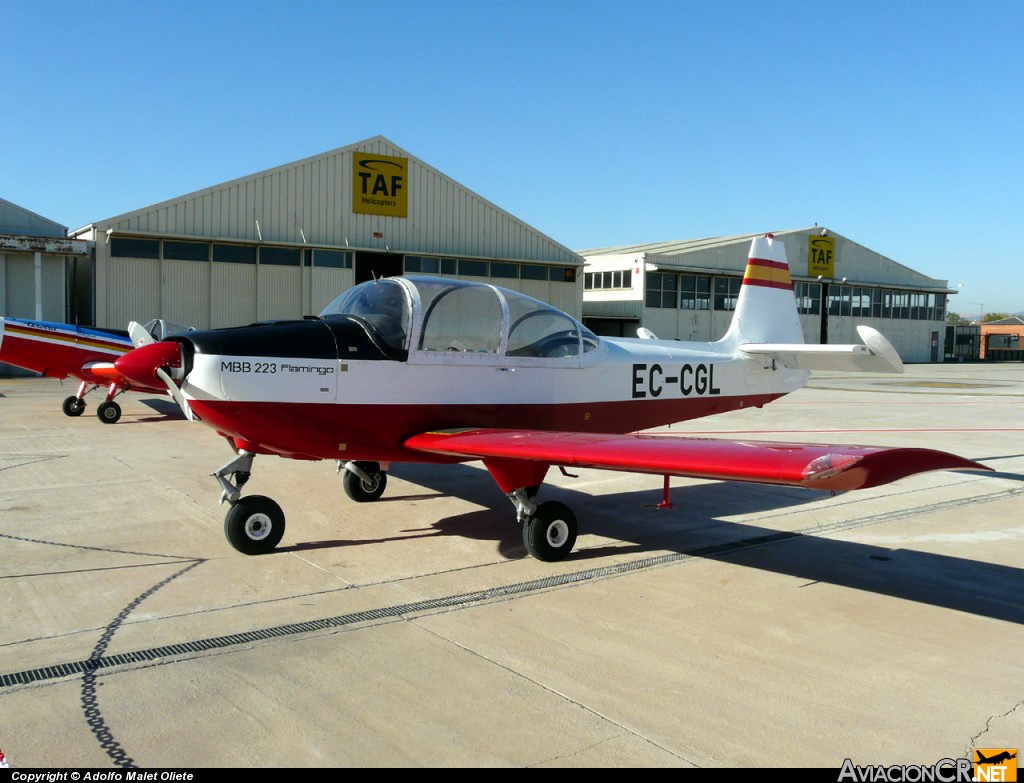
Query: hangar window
[(839, 300), (505, 270), (694, 292), (808, 298), (422, 264), (617, 278), (234, 254), (877, 303), (727, 291), (662, 290), (939, 307), (122, 247), (472, 268), (332, 259), (281, 256), (533, 272), (860, 303), (186, 251)]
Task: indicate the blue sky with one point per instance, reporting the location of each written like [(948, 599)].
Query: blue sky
[(896, 124)]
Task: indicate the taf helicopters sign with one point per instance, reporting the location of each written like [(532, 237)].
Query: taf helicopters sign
[(380, 185), (821, 256)]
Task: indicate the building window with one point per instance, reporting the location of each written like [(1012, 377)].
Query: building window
[(619, 279), (839, 300), (332, 259), (808, 298), (123, 247), (234, 254), (506, 270), (727, 291), (662, 289), (471, 268), (422, 265), (533, 272), (281, 256), (695, 292), (186, 251)]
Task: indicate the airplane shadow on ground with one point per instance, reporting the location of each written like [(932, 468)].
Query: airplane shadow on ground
[(694, 527), (167, 409)]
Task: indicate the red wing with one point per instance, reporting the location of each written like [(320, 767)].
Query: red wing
[(811, 465)]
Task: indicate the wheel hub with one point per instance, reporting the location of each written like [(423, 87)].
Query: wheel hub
[(257, 527)]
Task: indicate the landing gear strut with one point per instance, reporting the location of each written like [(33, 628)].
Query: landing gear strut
[(254, 525)]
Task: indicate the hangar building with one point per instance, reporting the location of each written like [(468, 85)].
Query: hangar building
[(37, 263), (687, 291), (284, 242)]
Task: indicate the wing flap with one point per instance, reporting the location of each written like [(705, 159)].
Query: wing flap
[(810, 465)]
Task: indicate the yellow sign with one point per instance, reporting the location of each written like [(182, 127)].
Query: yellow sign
[(821, 256), (380, 185)]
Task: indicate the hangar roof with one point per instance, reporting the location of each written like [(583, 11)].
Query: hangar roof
[(311, 201), (727, 255)]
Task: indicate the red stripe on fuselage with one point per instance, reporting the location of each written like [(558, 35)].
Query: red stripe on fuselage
[(378, 432)]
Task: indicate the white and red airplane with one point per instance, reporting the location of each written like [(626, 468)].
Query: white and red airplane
[(426, 369), (64, 350)]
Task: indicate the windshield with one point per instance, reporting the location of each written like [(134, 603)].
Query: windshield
[(381, 304)]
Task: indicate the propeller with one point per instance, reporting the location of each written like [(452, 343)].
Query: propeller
[(139, 334), (153, 364)]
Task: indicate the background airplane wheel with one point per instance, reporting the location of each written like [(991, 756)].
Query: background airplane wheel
[(361, 491), (550, 534), (254, 525), (73, 406), (108, 412)]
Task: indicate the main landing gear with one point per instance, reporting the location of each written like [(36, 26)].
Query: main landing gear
[(107, 411), (549, 529), (254, 525)]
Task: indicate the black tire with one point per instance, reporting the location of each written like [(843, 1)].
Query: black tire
[(254, 525), (550, 534), (73, 406), (365, 492), (108, 412)]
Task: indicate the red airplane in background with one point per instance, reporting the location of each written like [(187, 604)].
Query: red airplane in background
[(426, 369), (64, 350)]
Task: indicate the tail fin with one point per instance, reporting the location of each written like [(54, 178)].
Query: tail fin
[(766, 322), (766, 309)]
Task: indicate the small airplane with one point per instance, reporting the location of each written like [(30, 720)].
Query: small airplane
[(427, 369), (59, 350), (996, 759)]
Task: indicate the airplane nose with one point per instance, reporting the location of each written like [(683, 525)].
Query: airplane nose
[(140, 365)]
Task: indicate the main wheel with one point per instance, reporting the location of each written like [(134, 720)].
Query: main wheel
[(365, 491), (108, 412), (254, 525), (73, 406), (550, 534)]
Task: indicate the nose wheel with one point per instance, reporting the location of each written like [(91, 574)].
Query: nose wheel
[(254, 525)]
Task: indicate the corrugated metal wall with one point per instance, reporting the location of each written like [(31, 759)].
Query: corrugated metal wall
[(18, 286), (306, 204), (310, 201)]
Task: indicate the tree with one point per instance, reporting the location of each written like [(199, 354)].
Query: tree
[(955, 319), (989, 317)]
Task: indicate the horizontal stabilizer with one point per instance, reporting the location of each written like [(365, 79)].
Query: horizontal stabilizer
[(810, 465), (875, 355)]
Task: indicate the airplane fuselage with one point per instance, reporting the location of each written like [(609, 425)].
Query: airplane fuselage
[(324, 408), (59, 350)]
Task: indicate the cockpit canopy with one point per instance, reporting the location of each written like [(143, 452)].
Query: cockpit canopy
[(433, 315)]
